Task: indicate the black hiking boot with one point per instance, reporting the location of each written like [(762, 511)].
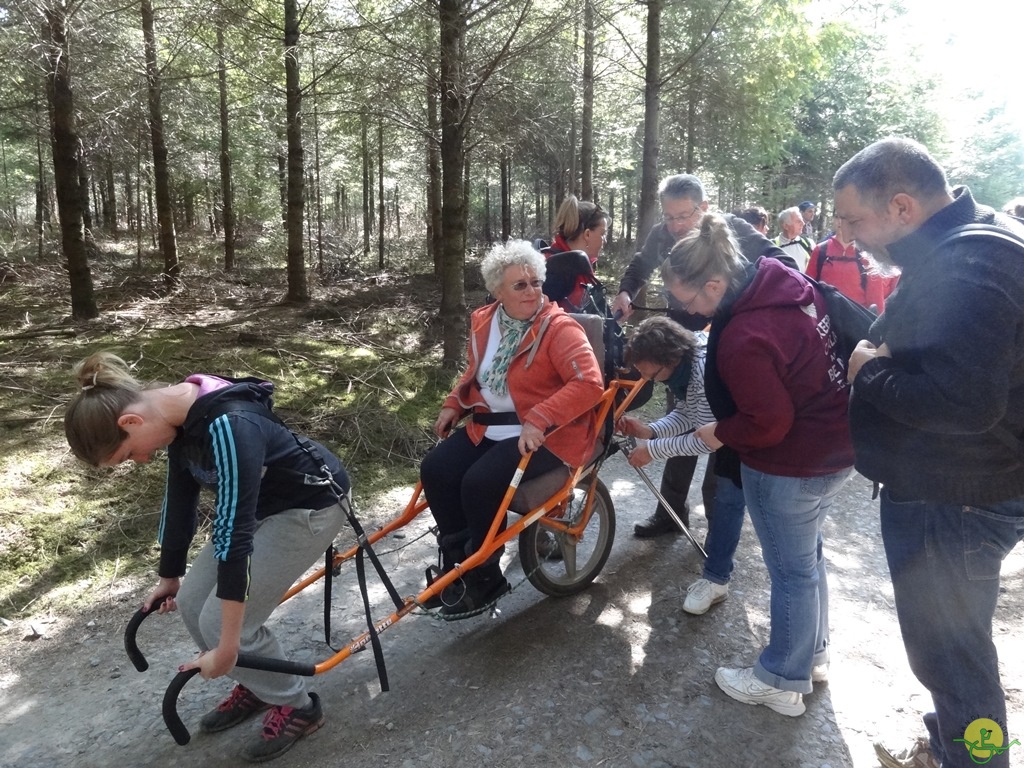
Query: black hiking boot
[(659, 524), (451, 551), (474, 593)]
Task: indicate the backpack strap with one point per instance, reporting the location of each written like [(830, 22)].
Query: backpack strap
[(987, 231), (1002, 237)]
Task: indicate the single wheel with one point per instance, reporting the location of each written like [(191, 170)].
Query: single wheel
[(559, 564)]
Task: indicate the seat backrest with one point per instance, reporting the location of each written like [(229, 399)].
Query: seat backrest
[(593, 325)]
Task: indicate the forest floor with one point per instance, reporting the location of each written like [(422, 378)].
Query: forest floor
[(617, 675)]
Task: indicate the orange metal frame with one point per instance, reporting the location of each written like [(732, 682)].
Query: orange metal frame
[(494, 539)]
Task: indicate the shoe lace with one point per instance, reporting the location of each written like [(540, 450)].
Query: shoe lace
[(237, 697), (275, 721)]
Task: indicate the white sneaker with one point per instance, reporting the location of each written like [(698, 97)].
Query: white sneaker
[(819, 674), (702, 594), (741, 685)]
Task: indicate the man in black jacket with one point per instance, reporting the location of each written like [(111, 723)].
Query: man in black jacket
[(683, 204), (936, 417)]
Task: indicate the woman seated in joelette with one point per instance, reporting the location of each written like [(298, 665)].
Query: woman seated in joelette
[(530, 370)]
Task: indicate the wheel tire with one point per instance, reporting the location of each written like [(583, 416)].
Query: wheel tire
[(579, 562)]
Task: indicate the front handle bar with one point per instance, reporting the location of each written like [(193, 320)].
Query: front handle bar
[(170, 702)]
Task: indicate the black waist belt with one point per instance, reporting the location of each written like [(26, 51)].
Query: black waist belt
[(502, 418)]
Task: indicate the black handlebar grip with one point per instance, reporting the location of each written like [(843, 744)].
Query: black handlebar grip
[(170, 706), (275, 665), (130, 646)]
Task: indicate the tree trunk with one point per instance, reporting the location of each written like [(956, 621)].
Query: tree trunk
[(226, 190), (381, 204), (587, 122), (488, 235), (65, 164), (83, 191), (434, 240), (111, 197), (652, 105), (506, 196), (161, 171), (318, 190), (364, 147), (452, 15), (298, 290)]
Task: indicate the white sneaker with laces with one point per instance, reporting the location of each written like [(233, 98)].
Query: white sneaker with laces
[(819, 674), (702, 594), (740, 684)]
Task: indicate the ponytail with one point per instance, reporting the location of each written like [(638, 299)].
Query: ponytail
[(106, 389), (707, 251)]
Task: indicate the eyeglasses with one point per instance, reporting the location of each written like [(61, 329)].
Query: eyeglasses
[(681, 217), (686, 305), (522, 285)]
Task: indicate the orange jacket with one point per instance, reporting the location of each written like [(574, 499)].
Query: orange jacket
[(554, 380)]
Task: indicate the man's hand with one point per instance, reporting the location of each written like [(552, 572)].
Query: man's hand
[(862, 353), (623, 303)]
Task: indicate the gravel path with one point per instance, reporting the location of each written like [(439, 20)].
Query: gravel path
[(615, 676)]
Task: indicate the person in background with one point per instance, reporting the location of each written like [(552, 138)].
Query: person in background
[(807, 212), (839, 262), (779, 397), (273, 518), (936, 417), (662, 350), (791, 239), (683, 205), (757, 217), (530, 370), (579, 226)]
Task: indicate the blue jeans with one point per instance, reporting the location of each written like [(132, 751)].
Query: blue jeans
[(724, 528), (944, 560), (787, 513)]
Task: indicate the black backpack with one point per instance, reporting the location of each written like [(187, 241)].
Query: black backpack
[(850, 321)]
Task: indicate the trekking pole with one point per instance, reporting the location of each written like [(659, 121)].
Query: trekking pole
[(630, 444)]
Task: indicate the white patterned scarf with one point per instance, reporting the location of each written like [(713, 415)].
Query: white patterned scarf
[(512, 333)]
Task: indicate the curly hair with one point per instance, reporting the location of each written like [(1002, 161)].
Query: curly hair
[(659, 340), (510, 254)]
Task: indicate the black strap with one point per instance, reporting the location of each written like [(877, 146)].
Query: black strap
[(1015, 241), (494, 419), (326, 477)]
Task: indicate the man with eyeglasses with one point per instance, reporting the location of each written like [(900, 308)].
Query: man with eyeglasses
[(683, 205)]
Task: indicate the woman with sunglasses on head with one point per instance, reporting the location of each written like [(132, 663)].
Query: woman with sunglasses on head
[(530, 369), (579, 226), (779, 394)]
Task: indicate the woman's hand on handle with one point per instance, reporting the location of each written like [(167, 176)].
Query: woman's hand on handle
[(634, 427), (446, 421), (530, 439), (639, 456), (163, 596), (212, 664)]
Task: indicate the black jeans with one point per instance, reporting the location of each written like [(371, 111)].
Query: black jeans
[(465, 483)]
